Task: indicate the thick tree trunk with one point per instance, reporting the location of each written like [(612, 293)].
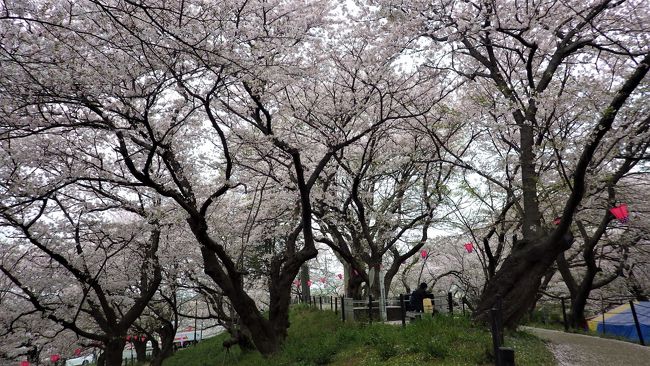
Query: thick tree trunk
[(112, 355), (262, 331), (353, 287), (518, 280), (577, 314), (304, 279), (374, 290), (140, 350), (166, 347)]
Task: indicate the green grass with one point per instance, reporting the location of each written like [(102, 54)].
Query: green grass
[(320, 338)]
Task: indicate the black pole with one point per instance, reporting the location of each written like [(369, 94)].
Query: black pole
[(331, 303), (343, 308), (196, 309), (450, 303), (336, 305), (566, 325), (496, 339), (507, 356), (320, 300), (402, 309), (370, 308), (499, 319), (636, 323)]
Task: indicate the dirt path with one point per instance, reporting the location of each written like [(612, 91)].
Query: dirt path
[(578, 350)]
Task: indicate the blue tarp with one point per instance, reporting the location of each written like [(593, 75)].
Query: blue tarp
[(620, 322)]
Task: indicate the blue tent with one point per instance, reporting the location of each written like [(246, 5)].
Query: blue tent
[(620, 322)]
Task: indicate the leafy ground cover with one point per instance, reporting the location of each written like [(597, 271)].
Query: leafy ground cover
[(320, 338)]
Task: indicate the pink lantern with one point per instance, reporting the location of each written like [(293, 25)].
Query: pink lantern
[(620, 212), (323, 280), (469, 247), (54, 358), (557, 220), (340, 276), (143, 338), (423, 254), (296, 283), (24, 363), (128, 338), (77, 352), (309, 283)]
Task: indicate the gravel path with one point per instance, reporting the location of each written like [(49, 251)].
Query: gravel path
[(578, 350)]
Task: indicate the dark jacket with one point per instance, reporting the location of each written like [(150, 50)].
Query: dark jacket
[(416, 300)]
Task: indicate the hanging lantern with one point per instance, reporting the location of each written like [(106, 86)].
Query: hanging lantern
[(77, 352), (323, 280), (128, 338), (621, 213), (340, 276), (423, 254), (143, 338), (309, 283), (54, 358), (24, 363), (296, 283), (469, 247), (557, 220)]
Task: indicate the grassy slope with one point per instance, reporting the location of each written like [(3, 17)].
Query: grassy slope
[(319, 337)]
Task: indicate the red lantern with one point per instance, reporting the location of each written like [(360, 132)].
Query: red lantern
[(423, 254), (296, 283), (128, 338), (557, 220), (24, 363), (143, 338), (309, 283), (469, 247), (54, 358), (77, 352), (323, 280), (340, 276), (620, 212)]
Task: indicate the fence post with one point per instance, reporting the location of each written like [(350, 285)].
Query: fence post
[(450, 302), (636, 323), (370, 308), (343, 308), (566, 325), (336, 305), (496, 339), (402, 309), (320, 300)]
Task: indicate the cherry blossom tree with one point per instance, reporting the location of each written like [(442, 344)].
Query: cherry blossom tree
[(209, 107), (540, 60), (84, 272)]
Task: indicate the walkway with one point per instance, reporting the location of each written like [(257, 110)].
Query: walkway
[(577, 350)]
